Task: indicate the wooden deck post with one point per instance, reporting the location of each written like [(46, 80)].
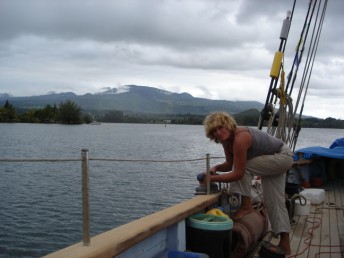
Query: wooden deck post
[(85, 198)]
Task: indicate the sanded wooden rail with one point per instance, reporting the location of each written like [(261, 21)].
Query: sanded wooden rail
[(117, 240)]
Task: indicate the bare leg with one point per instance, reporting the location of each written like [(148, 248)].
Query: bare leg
[(245, 208), (284, 243)]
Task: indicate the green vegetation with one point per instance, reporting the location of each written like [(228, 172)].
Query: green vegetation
[(67, 113), (322, 123), (70, 113), (7, 113)]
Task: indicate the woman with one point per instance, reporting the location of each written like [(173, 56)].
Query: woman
[(250, 152)]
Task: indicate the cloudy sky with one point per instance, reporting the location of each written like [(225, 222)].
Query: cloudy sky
[(216, 49)]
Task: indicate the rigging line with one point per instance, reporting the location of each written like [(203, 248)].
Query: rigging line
[(310, 56), (280, 123), (289, 121), (308, 23), (314, 51), (282, 129), (297, 126), (311, 69), (291, 20), (273, 81), (310, 60), (282, 47), (272, 92), (265, 113), (286, 119), (296, 60)]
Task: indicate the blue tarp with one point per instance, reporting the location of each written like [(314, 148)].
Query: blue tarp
[(336, 151), (337, 143)]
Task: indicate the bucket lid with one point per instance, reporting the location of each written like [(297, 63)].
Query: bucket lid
[(209, 222)]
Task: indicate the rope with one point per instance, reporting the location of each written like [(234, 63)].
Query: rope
[(268, 109), (102, 159), (280, 124), (309, 68), (283, 123), (316, 223), (145, 160), (302, 41), (40, 160)]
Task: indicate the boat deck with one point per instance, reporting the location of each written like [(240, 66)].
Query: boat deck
[(321, 233)]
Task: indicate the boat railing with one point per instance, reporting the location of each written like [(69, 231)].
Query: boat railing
[(85, 159)]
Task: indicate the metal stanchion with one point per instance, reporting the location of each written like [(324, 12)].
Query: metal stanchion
[(208, 172)]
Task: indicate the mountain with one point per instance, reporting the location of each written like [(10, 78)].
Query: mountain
[(135, 99)]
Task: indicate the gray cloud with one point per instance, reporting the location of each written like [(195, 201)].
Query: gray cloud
[(218, 49)]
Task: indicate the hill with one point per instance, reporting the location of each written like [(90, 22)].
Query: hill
[(134, 99)]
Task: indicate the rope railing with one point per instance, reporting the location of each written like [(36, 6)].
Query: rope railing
[(152, 160), (38, 160), (85, 159), (102, 159)]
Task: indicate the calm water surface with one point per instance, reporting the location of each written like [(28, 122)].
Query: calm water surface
[(40, 203)]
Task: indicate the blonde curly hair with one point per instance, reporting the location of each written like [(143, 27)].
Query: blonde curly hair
[(218, 119)]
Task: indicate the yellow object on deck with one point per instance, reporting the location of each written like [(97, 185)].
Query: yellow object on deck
[(217, 212), (276, 65)]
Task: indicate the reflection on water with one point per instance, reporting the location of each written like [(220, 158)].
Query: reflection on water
[(40, 203)]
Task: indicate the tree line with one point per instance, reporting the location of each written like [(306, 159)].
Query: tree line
[(69, 112), (66, 113)]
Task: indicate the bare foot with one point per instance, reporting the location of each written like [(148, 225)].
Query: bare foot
[(284, 243), (239, 214), (273, 249), (287, 250)]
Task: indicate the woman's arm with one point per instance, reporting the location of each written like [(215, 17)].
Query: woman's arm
[(242, 142), (224, 167), (227, 165)]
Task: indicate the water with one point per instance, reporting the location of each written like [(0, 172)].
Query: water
[(40, 203)]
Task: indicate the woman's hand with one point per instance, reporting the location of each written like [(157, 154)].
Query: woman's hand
[(213, 170)]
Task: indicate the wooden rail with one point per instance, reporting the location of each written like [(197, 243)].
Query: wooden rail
[(115, 241)]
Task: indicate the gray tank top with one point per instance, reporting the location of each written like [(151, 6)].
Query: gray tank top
[(263, 144)]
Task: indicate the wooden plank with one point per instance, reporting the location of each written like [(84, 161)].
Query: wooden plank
[(341, 216), (296, 234), (296, 243), (315, 230), (327, 243), (336, 217), (324, 236), (117, 240)]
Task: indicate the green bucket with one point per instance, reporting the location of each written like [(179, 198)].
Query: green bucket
[(209, 222)]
